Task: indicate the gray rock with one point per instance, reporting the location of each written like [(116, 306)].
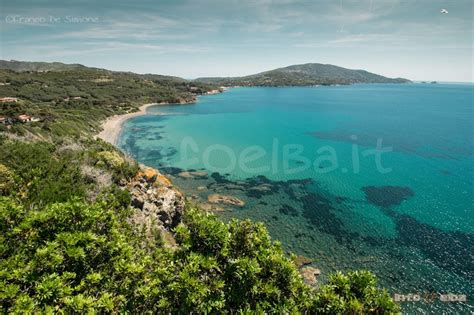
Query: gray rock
[(158, 205)]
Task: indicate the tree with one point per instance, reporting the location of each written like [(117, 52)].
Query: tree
[(79, 257)]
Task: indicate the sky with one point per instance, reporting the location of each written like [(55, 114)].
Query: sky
[(395, 38)]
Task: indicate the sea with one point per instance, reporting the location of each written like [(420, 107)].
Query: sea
[(365, 176)]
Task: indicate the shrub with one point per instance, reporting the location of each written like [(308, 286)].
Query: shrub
[(355, 293), (7, 180), (43, 176), (69, 256), (111, 158), (78, 257)]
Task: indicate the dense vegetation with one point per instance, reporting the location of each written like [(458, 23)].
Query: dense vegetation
[(21, 66), (303, 75), (66, 241), (74, 102), (75, 256)]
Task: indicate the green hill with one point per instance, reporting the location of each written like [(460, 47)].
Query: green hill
[(302, 75), (35, 66), (22, 66)]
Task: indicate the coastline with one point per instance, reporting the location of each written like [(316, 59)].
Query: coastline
[(111, 126)]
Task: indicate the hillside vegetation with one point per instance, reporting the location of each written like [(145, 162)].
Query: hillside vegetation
[(67, 239), (303, 75), (74, 102), (22, 66)]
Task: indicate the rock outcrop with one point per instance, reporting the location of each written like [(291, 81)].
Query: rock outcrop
[(230, 200), (158, 206), (310, 275), (302, 261), (210, 207), (192, 174)]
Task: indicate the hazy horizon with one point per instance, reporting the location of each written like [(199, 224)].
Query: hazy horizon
[(394, 38)]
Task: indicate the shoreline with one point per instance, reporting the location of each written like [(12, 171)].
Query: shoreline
[(112, 126)]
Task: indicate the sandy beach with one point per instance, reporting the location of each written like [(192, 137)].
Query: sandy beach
[(111, 127)]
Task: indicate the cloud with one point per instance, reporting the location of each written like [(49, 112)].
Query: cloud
[(276, 31), (111, 47)]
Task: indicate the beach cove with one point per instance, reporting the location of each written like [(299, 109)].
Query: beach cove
[(112, 126)]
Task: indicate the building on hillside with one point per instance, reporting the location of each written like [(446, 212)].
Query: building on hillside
[(212, 92), (27, 118), (24, 118), (9, 100)]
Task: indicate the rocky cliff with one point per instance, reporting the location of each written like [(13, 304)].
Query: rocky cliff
[(157, 205)]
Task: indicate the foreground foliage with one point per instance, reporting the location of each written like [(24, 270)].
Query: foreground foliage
[(79, 257)]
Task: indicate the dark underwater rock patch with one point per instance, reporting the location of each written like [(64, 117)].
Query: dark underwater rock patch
[(453, 251), (130, 146), (319, 211), (288, 210), (387, 196), (300, 234), (220, 179), (171, 170), (340, 199), (170, 151), (316, 208), (154, 155), (258, 186)]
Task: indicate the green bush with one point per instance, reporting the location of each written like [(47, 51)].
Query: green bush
[(111, 159), (354, 293), (7, 180), (78, 257), (43, 175), (253, 272), (69, 256)]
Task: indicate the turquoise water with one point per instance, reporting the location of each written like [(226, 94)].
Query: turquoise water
[(364, 176)]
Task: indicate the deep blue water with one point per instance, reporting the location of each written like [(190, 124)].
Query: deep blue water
[(364, 176)]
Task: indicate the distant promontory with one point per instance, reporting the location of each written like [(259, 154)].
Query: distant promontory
[(304, 75)]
